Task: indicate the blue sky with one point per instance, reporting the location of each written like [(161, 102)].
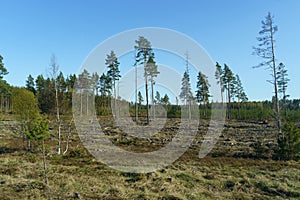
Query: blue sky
[(31, 31)]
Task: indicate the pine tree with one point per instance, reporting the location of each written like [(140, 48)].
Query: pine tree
[(84, 81), (243, 97), (266, 50), (94, 83), (113, 73), (40, 90), (30, 84), (140, 100), (228, 84), (239, 90), (5, 89), (153, 73), (157, 98), (282, 80), (186, 94), (239, 93), (143, 53), (202, 92), (104, 88), (218, 76), (289, 143), (70, 82), (165, 100), (3, 70), (62, 89), (105, 85)]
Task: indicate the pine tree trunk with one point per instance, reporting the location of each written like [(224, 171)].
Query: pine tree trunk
[(6, 104), (222, 96), (152, 99), (147, 100), (239, 107), (87, 102), (204, 109), (189, 107), (1, 104), (229, 101), (136, 96), (81, 101), (115, 100), (277, 109)]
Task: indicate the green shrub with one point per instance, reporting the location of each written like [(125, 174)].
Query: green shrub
[(288, 143)]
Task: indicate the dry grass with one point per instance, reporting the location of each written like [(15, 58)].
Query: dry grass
[(209, 178), (189, 177)]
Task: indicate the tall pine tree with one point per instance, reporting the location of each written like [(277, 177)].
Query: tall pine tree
[(218, 76), (202, 92), (266, 50), (143, 53)]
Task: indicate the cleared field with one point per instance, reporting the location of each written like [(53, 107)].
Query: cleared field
[(231, 171)]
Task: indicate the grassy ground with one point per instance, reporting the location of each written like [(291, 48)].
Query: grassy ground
[(227, 173)]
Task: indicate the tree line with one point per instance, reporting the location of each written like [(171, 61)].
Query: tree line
[(54, 93)]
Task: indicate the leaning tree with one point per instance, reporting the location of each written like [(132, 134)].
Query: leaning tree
[(266, 50)]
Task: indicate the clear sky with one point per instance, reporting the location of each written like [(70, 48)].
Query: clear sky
[(33, 30)]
